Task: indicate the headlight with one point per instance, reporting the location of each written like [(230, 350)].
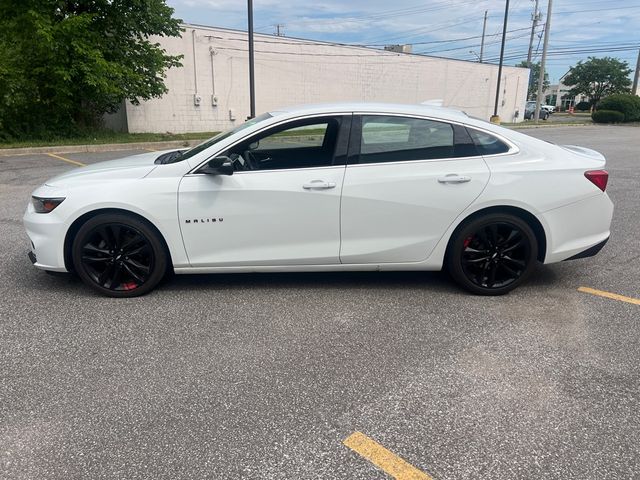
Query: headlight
[(45, 205)]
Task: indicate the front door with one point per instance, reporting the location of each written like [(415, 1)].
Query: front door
[(280, 207)]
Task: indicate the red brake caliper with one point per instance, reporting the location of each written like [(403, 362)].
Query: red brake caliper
[(129, 286)]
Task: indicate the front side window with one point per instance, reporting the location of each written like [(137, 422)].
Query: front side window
[(398, 139), (305, 136), (299, 144), (218, 138), (487, 144)]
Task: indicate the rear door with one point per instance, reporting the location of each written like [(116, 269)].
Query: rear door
[(406, 182)]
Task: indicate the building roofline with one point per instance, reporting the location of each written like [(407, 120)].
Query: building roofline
[(346, 45)]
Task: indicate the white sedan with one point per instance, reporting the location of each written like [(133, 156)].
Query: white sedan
[(328, 188)]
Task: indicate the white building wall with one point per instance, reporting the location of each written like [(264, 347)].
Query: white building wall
[(291, 72)]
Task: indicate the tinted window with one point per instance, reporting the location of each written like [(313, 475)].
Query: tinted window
[(397, 139), (299, 144), (221, 136), (487, 144), (464, 143), (297, 137)]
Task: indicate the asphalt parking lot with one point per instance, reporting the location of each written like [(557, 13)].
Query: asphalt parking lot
[(265, 376)]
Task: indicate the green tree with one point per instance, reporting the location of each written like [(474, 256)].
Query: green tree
[(534, 77), (598, 77), (64, 63)]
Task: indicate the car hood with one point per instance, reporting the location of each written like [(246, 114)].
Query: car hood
[(135, 166)]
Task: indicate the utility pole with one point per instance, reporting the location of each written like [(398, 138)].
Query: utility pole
[(279, 32), (484, 30), (535, 17), (543, 62), (634, 90), (495, 118), (252, 81)]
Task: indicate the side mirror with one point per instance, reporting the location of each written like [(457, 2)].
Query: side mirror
[(218, 166)]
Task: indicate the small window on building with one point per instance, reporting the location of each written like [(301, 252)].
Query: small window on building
[(397, 139), (487, 144)]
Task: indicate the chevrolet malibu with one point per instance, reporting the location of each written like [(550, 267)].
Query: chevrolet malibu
[(328, 188)]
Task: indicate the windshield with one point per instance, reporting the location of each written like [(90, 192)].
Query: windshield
[(221, 136)]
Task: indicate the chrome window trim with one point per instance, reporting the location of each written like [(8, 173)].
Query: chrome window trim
[(253, 172), (425, 160)]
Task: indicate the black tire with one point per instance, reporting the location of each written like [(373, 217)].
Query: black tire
[(119, 255), (492, 254)]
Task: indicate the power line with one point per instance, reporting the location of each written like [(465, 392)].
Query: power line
[(464, 47), (515, 56), (339, 44), (428, 29), (566, 12), (385, 14)]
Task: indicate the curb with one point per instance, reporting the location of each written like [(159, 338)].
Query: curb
[(548, 125), (105, 147)]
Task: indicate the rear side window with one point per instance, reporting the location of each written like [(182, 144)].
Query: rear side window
[(487, 144), (397, 139)]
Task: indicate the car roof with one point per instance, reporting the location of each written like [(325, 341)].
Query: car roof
[(436, 112), (441, 113), (369, 107)]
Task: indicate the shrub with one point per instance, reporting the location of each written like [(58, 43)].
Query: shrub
[(583, 106), (626, 103), (607, 116)]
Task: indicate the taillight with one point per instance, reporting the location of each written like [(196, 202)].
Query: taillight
[(598, 178)]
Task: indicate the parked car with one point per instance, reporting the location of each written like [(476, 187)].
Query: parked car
[(530, 110), (328, 188), (549, 108)]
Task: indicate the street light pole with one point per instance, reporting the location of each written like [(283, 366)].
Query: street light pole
[(495, 117), (252, 80)]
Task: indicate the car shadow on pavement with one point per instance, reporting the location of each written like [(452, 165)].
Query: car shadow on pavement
[(436, 281)]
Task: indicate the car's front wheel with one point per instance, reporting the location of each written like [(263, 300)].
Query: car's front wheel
[(492, 254), (119, 255)]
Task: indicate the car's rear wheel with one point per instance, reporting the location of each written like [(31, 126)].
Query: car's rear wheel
[(492, 254), (119, 255)]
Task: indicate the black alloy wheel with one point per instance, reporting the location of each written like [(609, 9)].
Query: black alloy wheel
[(492, 255), (119, 256)]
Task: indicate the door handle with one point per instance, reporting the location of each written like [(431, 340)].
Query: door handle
[(453, 178), (318, 185)]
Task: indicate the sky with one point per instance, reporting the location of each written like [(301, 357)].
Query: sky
[(579, 28)]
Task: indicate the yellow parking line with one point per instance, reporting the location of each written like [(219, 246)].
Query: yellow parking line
[(613, 296), (383, 458), (68, 160), (150, 149)]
